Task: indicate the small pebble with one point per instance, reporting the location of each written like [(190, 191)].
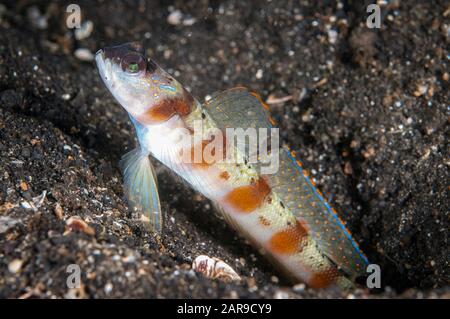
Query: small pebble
[(175, 17), (129, 259), (259, 74), (59, 212), (299, 287), (188, 21), (75, 223), (15, 266), (23, 186), (445, 76), (85, 30), (84, 54), (281, 294), (108, 288), (332, 36)]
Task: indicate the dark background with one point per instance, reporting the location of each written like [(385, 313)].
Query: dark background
[(368, 116)]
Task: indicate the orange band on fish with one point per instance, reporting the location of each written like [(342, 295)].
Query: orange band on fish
[(289, 240), (164, 110), (245, 199)]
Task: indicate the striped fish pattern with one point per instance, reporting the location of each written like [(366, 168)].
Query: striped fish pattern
[(283, 214)]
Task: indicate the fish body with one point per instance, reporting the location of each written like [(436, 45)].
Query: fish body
[(281, 212)]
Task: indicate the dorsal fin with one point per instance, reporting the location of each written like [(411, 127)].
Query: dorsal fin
[(238, 107)]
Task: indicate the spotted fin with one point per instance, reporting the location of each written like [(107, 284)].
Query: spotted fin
[(141, 188), (299, 194), (238, 107)]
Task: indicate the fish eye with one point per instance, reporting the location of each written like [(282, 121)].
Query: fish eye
[(132, 67), (133, 63)]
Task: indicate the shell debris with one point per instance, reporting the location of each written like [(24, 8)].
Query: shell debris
[(214, 268), (35, 202), (75, 223)]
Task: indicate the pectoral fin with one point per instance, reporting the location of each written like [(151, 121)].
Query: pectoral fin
[(141, 188)]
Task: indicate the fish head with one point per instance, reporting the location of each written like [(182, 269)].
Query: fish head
[(135, 80)]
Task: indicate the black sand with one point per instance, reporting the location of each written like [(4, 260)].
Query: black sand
[(368, 116)]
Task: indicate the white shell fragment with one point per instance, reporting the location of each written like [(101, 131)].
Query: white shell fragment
[(214, 268), (85, 31), (15, 266), (84, 54), (175, 17), (75, 223), (35, 203)]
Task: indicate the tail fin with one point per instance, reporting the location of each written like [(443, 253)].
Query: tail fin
[(141, 187)]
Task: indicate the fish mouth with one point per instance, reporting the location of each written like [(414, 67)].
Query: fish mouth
[(100, 57), (101, 65), (101, 53), (106, 68)]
